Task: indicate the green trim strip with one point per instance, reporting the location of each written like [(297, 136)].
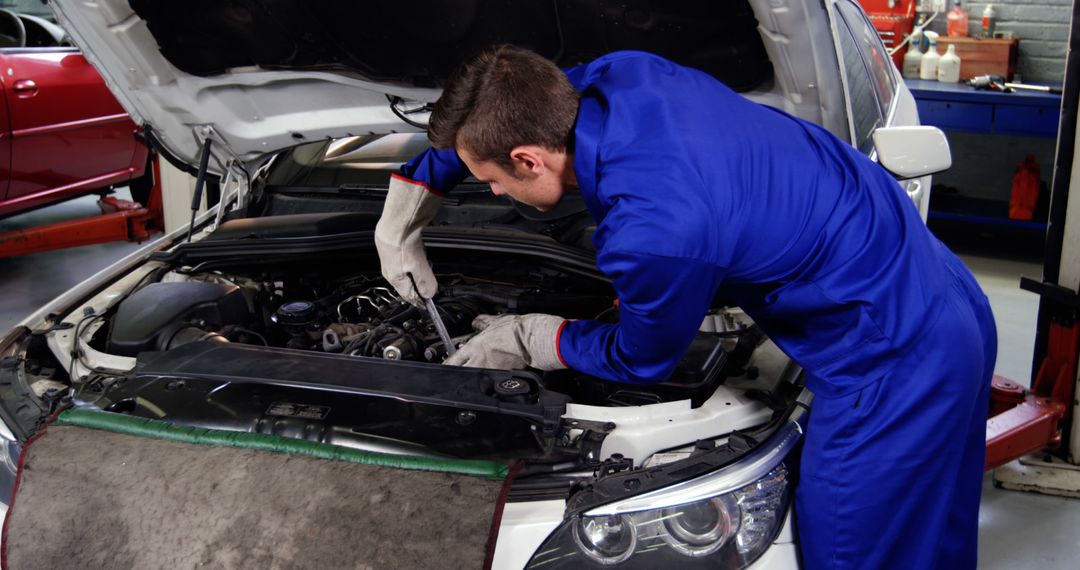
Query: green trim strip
[(144, 427)]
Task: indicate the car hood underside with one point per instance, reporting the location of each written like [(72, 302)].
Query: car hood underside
[(258, 76)]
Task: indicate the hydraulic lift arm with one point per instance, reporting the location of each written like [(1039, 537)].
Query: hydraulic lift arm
[(1023, 422), (121, 220)]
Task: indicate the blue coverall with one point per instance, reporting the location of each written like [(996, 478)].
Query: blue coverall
[(696, 190)]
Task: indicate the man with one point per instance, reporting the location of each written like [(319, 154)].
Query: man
[(697, 190)]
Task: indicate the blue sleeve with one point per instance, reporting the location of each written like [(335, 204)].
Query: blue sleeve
[(438, 170), (662, 301)]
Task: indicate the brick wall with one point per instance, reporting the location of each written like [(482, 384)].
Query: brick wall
[(1043, 26)]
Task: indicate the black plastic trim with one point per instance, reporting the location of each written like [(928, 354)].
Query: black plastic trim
[(19, 406), (574, 260), (402, 380), (157, 146)]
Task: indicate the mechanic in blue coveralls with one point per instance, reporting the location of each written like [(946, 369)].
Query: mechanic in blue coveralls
[(695, 190)]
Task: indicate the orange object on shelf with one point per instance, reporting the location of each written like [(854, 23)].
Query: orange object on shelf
[(957, 26), (981, 56)]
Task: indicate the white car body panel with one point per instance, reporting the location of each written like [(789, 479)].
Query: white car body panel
[(524, 527), (645, 430)]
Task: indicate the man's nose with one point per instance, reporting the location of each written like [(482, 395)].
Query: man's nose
[(496, 191)]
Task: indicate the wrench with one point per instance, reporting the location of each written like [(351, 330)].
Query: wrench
[(433, 313)]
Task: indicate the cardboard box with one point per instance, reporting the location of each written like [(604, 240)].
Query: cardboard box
[(980, 56)]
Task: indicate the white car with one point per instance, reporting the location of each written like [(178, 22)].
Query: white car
[(306, 111)]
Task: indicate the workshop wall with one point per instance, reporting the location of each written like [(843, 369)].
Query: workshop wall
[(1043, 26)]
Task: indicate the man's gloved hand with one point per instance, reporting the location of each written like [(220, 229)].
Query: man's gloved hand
[(408, 208), (512, 342)]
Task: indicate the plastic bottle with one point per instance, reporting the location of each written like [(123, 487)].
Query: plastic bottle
[(928, 65), (957, 21), (913, 57), (989, 21), (948, 69)]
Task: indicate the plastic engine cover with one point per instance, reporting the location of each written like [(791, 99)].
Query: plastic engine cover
[(150, 315)]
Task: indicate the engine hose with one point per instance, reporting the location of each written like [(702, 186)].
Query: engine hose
[(190, 334)]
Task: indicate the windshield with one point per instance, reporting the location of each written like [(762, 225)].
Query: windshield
[(32, 7)]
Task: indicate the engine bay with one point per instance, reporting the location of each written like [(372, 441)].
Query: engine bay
[(355, 315), (323, 307), (285, 326)]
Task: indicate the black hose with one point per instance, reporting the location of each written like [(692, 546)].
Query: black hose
[(251, 333)]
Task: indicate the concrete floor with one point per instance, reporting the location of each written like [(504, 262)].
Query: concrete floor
[(1016, 530), (1020, 530), (30, 281)]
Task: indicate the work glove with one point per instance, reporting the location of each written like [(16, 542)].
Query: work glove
[(408, 208), (511, 342)]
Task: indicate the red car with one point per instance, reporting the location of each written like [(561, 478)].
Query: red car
[(62, 134)]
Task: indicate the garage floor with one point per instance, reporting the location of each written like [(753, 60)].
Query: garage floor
[(1020, 530), (1017, 530), (30, 281)]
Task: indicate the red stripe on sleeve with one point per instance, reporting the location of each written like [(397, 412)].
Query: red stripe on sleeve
[(425, 185), (558, 338)]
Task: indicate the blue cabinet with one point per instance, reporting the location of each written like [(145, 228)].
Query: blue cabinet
[(958, 106), (955, 115), (983, 168)]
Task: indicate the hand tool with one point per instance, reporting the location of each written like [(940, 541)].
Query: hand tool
[(433, 313)]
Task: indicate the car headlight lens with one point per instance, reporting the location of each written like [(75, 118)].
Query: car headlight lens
[(699, 529), (607, 540), (729, 529)]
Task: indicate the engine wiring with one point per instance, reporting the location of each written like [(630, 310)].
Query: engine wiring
[(77, 354), (395, 101)]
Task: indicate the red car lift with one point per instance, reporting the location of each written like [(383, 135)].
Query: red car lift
[(121, 220), (1022, 422)]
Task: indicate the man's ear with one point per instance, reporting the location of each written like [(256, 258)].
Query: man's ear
[(528, 159)]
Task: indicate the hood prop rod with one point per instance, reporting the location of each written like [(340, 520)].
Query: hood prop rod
[(200, 182)]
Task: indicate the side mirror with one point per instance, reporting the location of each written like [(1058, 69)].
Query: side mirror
[(911, 152)]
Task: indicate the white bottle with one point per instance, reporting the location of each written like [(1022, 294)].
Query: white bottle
[(929, 63), (913, 57), (948, 69)]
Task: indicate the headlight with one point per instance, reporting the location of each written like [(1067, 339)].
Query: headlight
[(714, 521)]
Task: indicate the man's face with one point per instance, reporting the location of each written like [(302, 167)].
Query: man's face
[(538, 178)]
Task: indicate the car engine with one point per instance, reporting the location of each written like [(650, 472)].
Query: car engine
[(285, 326), (359, 315)]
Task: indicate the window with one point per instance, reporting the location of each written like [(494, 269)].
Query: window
[(873, 52), (871, 81), (865, 112), (32, 7)]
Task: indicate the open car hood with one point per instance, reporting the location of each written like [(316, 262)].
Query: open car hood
[(258, 76)]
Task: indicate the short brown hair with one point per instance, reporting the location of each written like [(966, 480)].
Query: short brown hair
[(501, 98)]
